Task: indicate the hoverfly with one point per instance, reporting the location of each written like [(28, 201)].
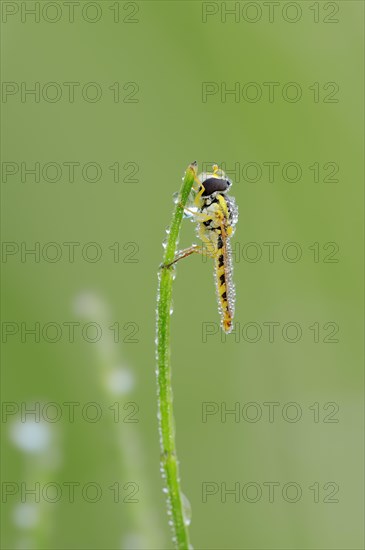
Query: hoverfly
[(216, 215)]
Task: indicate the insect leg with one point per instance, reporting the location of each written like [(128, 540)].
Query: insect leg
[(201, 217), (199, 194), (194, 249)]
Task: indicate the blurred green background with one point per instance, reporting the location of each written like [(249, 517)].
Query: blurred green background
[(108, 451)]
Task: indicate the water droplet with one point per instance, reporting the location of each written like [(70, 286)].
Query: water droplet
[(175, 197), (164, 243), (186, 508)]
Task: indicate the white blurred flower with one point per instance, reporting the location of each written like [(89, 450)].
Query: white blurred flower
[(89, 305), (31, 436), (134, 541), (26, 515), (120, 381), (25, 543)]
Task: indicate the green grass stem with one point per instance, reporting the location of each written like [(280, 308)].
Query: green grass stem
[(169, 461)]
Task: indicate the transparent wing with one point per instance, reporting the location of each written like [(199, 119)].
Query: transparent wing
[(233, 210)]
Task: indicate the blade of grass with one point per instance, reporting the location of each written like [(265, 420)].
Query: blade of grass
[(169, 461)]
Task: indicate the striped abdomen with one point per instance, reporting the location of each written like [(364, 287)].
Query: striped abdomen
[(224, 283)]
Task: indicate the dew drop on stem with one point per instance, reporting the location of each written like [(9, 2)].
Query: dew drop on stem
[(186, 508)]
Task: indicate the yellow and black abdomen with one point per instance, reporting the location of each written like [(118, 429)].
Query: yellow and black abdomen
[(224, 283), (215, 232)]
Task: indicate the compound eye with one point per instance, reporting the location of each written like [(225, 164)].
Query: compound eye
[(212, 185)]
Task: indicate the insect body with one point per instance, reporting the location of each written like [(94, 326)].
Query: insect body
[(216, 214)]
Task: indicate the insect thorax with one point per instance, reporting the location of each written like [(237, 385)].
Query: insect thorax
[(218, 209)]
